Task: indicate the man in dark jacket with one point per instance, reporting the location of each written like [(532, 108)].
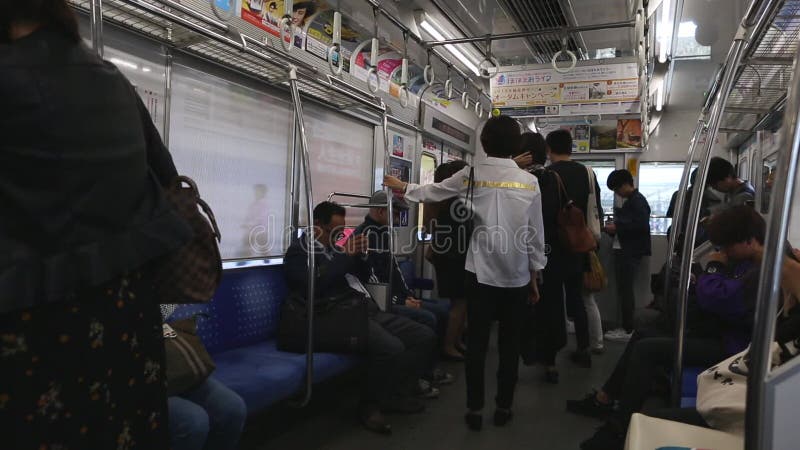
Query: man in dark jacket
[(631, 231), (398, 349)]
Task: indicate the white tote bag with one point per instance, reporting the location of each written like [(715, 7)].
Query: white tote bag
[(592, 214), (722, 389)]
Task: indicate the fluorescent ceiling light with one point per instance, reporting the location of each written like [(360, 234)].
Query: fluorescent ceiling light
[(666, 31), (427, 24)]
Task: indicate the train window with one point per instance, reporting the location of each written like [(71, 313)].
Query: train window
[(234, 141), (657, 182), (687, 45), (602, 168), (341, 157)]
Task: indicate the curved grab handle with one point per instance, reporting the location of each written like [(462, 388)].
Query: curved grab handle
[(335, 49), (571, 54), (286, 22), (479, 110), (489, 72), (465, 99), (373, 71), (448, 88), (404, 97), (428, 75)]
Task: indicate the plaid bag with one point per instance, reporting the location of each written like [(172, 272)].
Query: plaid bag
[(192, 273)]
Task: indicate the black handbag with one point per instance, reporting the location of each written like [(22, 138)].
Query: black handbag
[(340, 324), (188, 362)]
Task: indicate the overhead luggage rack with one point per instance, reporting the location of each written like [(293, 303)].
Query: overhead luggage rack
[(195, 33), (761, 82)]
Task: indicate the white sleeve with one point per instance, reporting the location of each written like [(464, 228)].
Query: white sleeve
[(437, 192), (537, 259)]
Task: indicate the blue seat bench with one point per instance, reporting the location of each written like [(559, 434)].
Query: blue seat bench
[(239, 328)]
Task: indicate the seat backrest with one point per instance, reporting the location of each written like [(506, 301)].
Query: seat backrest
[(245, 309)]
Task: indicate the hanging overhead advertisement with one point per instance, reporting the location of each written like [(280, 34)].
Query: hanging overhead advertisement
[(615, 135), (319, 35), (607, 88)]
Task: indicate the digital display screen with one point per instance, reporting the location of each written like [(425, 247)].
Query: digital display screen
[(450, 130)]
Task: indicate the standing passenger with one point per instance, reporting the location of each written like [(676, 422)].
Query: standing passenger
[(83, 218), (505, 254), (722, 177), (631, 231)]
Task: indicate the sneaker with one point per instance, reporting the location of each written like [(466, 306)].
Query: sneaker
[(442, 378), (589, 406), (622, 336), (614, 332), (426, 390), (607, 437), (570, 327), (598, 349)]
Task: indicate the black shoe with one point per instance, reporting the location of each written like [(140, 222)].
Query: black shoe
[(607, 437), (502, 417), (474, 420), (581, 358), (551, 376), (405, 405), (589, 406), (372, 419)]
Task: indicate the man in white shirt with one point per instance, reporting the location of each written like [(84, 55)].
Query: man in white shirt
[(506, 252)]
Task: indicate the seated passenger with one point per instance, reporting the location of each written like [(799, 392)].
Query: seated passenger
[(722, 177), (427, 312), (726, 293), (375, 227), (398, 349), (208, 417)]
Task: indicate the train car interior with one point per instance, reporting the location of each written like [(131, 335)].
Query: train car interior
[(291, 115)]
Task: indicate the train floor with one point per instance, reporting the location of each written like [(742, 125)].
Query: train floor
[(540, 419)]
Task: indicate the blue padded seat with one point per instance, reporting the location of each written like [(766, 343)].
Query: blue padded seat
[(689, 386), (239, 329)]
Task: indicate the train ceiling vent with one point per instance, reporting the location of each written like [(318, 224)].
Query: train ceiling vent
[(546, 14)]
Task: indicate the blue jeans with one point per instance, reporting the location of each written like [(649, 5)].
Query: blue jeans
[(208, 417)]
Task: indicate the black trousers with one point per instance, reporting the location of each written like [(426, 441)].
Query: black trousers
[(646, 353), (545, 332), (625, 268), (484, 305), (399, 351)]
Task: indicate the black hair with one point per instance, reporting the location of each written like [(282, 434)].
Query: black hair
[(52, 14), (447, 170), (618, 178), (718, 170), (536, 145), (311, 7), (692, 177), (501, 137), (736, 225), (324, 212), (560, 142)]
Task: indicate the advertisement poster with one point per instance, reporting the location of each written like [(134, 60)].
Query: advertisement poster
[(603, 135), (397, 145), (266, 14), (319, 35), (580, 138), (597, 84), (629, 133), (401, 169)]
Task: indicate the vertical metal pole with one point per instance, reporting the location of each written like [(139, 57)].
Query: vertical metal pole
[(310, 238), (390, 207), (167, 93), (677, 214), (96, 18), (769, 287), (687, 255)]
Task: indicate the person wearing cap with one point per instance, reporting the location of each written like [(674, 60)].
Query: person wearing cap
[(506, 252), (427, 312)]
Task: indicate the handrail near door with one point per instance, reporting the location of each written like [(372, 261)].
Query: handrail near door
[(769, 286), (309, 234)]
